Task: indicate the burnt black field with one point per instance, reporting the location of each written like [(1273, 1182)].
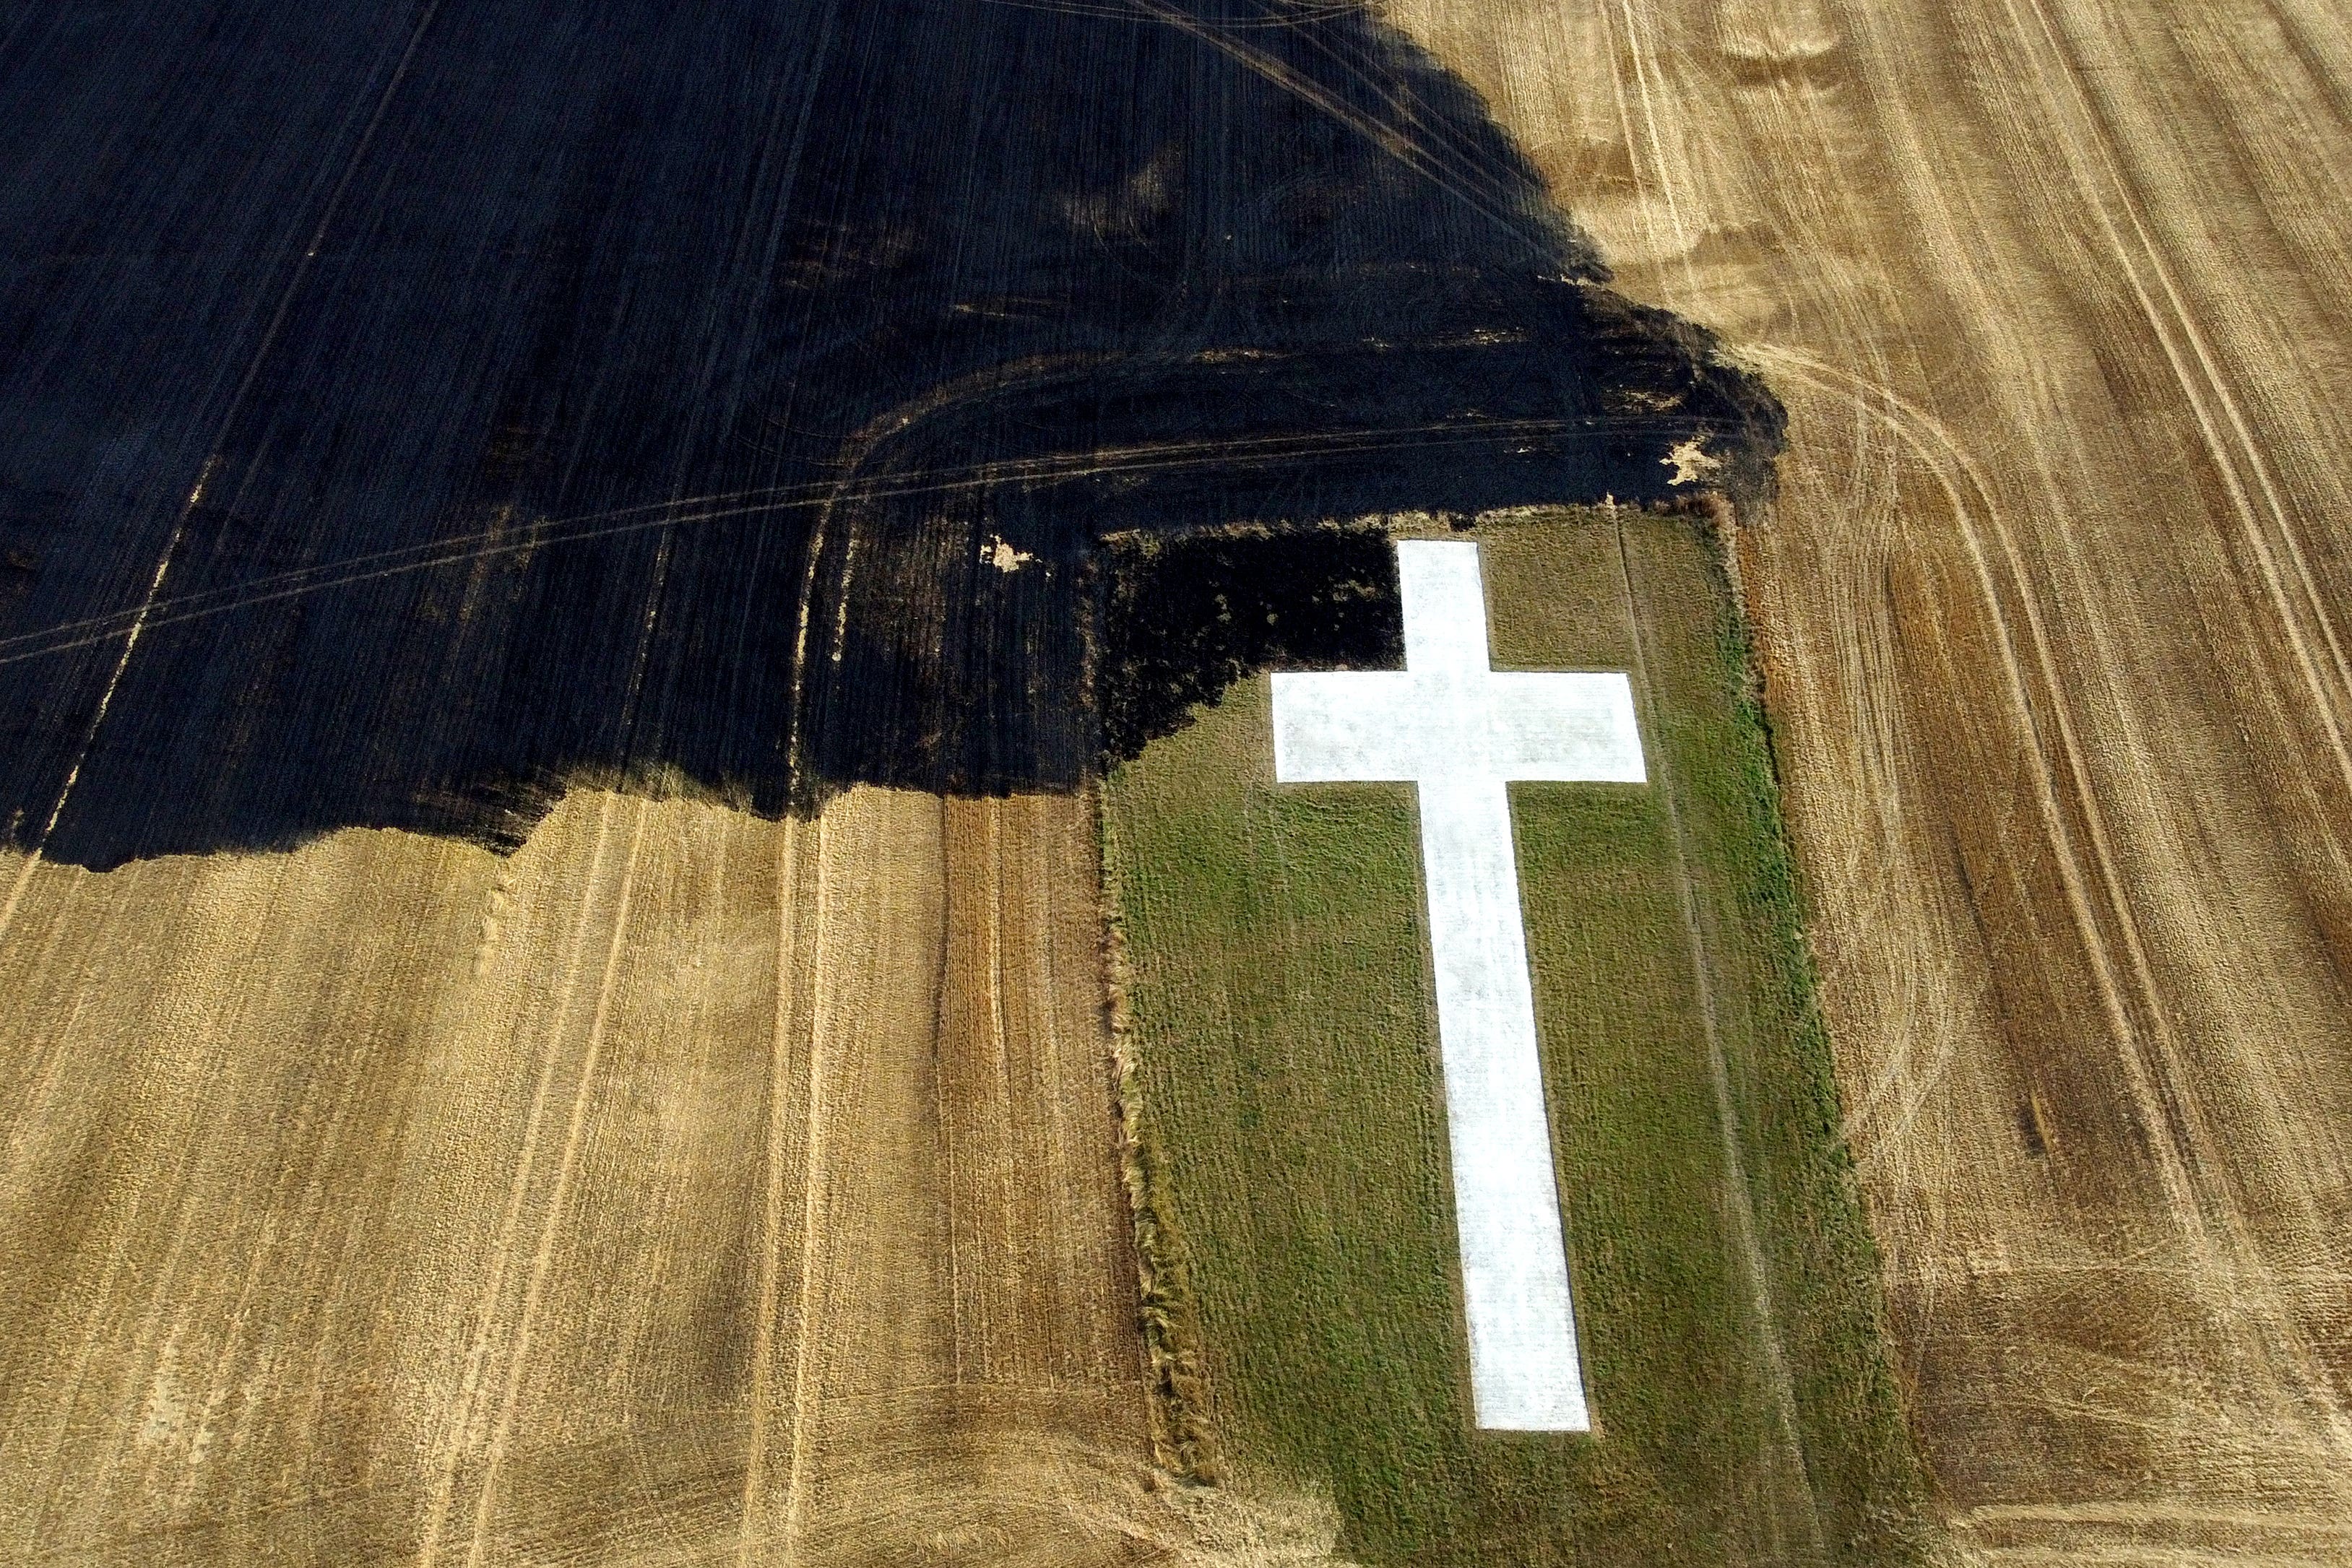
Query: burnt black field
[(406, 409)]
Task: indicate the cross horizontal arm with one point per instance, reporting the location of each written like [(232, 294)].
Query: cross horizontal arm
[(1410, 725), (1570, 725)]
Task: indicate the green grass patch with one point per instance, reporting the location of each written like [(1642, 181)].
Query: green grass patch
[(1284, 1075)]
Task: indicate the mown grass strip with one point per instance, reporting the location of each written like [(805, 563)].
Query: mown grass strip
[(1283, 1075)]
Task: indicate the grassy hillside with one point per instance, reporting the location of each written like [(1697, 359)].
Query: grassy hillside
[(1285, 1063)]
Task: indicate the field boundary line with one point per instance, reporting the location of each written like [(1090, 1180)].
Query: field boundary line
[(781, 1036), (543, 1258), (814, 1155), (1184, 1440)]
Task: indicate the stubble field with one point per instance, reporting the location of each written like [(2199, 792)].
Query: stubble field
[(685, 1189), (2053, 607)]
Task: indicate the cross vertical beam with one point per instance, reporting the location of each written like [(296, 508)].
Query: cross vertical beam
[(1462, 732), (1524, 1369)]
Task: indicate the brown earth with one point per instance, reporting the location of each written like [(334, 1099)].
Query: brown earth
[(387, 1202), (2054, 601)]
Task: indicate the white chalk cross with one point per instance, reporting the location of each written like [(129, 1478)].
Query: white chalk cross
[(1461, 731)]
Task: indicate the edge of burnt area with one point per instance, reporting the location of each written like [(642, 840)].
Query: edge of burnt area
[(1220, 489), (1179, 577), (1415, 333), (1181, 617)]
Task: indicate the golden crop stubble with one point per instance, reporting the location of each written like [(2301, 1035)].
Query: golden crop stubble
[(2052, 602), (685, 1184)]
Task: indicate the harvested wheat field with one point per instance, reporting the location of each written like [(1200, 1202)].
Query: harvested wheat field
[(389, 1202), (2052, 605), (648, 912)]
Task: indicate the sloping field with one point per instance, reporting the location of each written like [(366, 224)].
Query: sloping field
[(2053, 601), (387, 1202), (1286, 1058)]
